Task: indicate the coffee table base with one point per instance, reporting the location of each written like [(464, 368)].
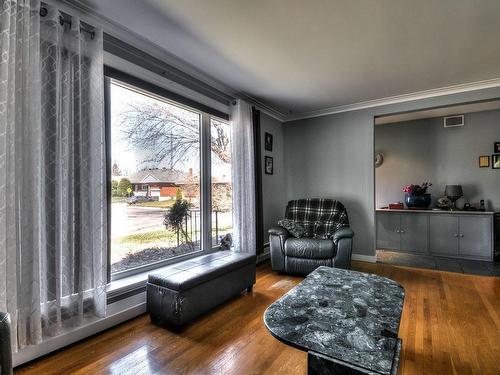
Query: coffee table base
[(319, 364)]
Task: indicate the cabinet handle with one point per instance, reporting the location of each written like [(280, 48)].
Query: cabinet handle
[(455, 235), (402, 231), (461, 235), (398, 231)]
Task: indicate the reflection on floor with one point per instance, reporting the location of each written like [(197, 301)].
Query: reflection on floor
[(449, 326), (473, 267)]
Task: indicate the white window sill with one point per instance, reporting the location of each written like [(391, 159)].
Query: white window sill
[(137, 282), (127, 284)]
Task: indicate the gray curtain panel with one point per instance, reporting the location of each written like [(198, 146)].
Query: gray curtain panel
[(52, 172), (243, 175)]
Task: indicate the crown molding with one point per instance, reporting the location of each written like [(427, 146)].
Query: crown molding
[(263, 107), (449, 90)]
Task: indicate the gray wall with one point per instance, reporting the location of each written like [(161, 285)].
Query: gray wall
[(273, 192), (423, 150), (332, 156)]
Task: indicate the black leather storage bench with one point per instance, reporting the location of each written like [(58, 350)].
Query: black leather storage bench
[(179, 293)]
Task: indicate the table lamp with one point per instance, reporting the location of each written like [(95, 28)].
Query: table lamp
[(453, 192)]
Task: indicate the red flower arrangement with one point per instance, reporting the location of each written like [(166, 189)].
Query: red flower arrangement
[(417, 189)]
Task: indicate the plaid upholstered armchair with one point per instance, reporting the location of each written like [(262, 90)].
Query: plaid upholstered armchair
[(315, 232)]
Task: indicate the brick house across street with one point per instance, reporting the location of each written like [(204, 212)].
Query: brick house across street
[(162, 183)]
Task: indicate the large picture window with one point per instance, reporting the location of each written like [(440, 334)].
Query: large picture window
[(157, 177)]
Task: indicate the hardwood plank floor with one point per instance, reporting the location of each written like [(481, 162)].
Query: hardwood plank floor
[(450, 325)]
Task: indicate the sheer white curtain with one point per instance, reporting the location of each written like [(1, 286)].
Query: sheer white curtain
[(52, 171), (243, 174)]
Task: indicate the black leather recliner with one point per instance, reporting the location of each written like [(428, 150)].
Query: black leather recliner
[(5, 345), (332, 248)]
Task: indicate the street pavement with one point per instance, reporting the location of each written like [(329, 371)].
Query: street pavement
[(127, 219)]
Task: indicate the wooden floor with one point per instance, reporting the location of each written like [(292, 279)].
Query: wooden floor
[(450, 325)]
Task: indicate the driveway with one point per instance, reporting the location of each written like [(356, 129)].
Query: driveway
[(131, 219)]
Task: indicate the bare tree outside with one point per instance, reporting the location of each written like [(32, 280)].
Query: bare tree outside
[(222, 197), (173, 138), (170, 135)]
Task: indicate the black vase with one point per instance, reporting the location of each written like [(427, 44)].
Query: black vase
[(417, 201)]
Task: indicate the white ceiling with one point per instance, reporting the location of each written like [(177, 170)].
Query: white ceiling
[(300, 56)]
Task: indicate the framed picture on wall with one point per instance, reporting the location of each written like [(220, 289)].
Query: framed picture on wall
[(268, 142), (496, 148), (268, 165), (484, 161), (495, 161)]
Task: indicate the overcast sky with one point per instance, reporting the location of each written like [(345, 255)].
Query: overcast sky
[(130, 159)]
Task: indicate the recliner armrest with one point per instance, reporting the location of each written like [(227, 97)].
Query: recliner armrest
[(278, 231), (343, 242), (342, 233), (277, 238)]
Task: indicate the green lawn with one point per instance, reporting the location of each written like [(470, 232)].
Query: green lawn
[(118, 199), (159, 236), (156, 204), (148, 237)]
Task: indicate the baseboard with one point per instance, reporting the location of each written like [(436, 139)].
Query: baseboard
[(364, 258), (263, 257), (49, 345)]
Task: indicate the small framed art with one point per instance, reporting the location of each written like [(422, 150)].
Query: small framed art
[(268, 165), (496, 148), (268, 141), (495, 161), (484, 161)]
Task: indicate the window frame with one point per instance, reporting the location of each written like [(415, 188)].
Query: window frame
[(206, 114), (225, 122)]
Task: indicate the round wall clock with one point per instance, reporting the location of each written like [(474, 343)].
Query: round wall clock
[(379, 159)]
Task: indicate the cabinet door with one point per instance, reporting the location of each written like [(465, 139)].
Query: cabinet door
[(475, 236), (443, 234), (388, 236), (414, 233)]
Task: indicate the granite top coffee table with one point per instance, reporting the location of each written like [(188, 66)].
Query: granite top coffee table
[(347, 321)]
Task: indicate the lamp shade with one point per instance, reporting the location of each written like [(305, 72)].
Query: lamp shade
[(453, 191)]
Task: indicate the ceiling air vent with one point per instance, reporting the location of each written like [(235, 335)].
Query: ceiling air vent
[(454, 121)]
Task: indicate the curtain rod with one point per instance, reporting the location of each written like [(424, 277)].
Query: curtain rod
[(62, 21)]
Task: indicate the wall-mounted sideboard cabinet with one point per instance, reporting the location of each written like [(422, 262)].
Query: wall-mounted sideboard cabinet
[(458, 234)]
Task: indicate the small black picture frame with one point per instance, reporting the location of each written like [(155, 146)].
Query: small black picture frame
[(495, 161), (268, 165), (496, 147), (268, 141)]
